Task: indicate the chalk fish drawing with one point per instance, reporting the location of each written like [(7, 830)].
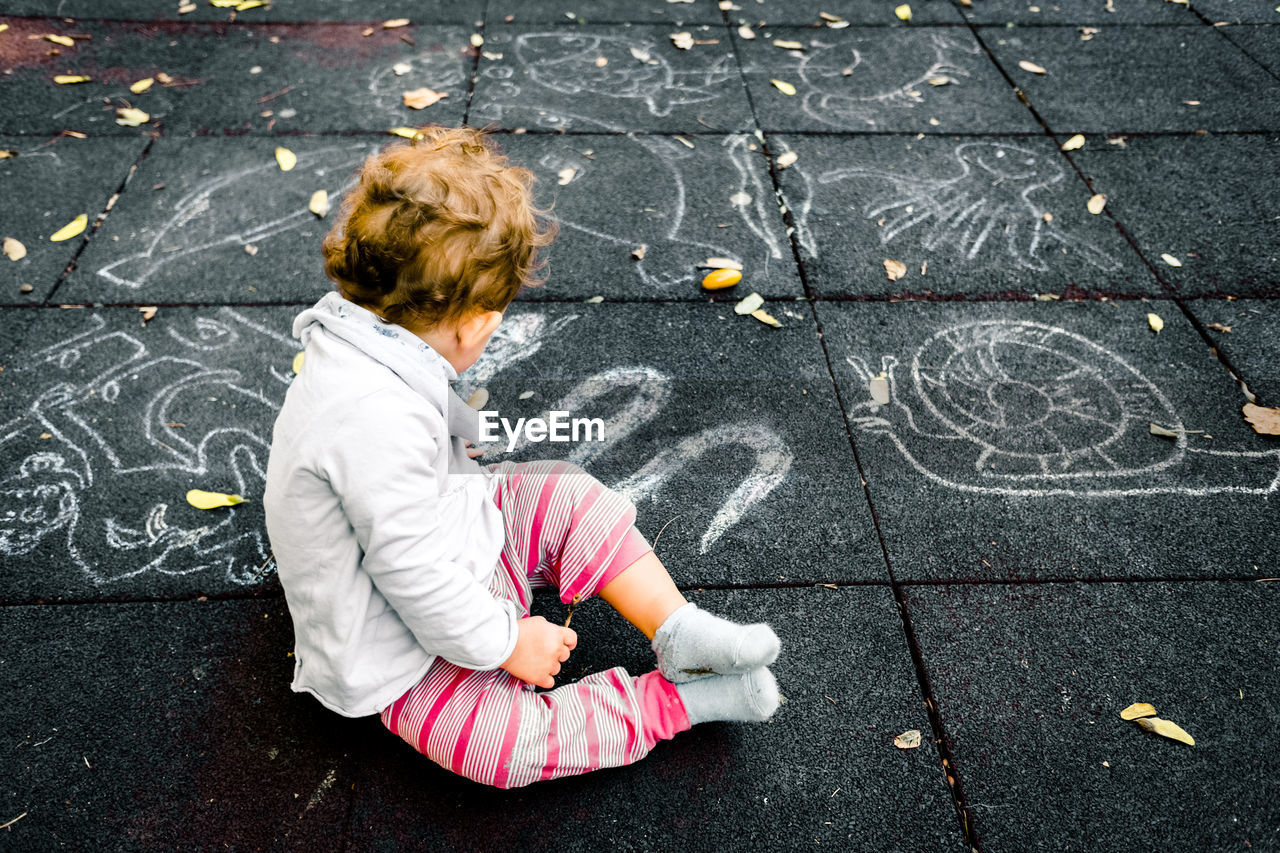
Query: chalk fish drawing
[(214, 214), (988, 201), (173, 421), (1025, 409)]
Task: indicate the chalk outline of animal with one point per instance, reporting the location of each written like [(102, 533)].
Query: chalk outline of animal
[(870, 418)]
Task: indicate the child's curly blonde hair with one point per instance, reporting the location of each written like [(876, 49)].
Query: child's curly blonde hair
[(436, 229)]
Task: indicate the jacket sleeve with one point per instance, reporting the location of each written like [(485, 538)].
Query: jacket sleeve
[(383, 473)]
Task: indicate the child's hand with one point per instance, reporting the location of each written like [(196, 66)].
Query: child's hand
[(540, 649)]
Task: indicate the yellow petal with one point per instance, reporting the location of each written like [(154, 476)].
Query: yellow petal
[(3, 27), (286, 158), (721, 264), (765, 317), (131, 117), (477, 40), (319, 204), (395, 23), (894, 269), (297, 363), (148, 313), (72, 229), (211, 500), (1138, 709), (903, 12), (788, 45), (785, 160), (13, 250), (749, 304), (67, 79), (1031, 66), (142, 85), (246, 5), (784, 87), (1096, 203), (1074, 143), (1154, 321), (1166, 728), (406, 132), (224, 4), (1170, 260), (419, 99), (62, 40), (720, 279)]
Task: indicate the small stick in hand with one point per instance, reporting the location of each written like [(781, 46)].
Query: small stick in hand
[(572, 604)]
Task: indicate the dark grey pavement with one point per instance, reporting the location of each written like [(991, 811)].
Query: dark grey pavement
[(1002, 556)]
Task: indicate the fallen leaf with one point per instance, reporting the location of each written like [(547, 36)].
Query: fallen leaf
[(163, 79), (148, 312), (68, 79), (594, 300), (5, 153), (1192, 103), (1170, 260), (1156, 429), (684, 41), (1031, 66), (749, 304), (685, 142), (406, 132), (286, 158), (1138, 709), (894, 269), (1166, 728), (224, 4), (14, 250), (211, 500), (765, 317), (401, 68), (62, 40), (785, 160), (246, 5), (739, 199), (71, 229), (602, 61), (419, 99), (564, 176), (1154, 321), (477, 40), (142, 85), (1047, 297), (1097, 202), (478, 398), (720, 279), (395, 23), (745, 32), (721, 264), (1048, 217), (939, 81), (879, 388), (788, 45), (131, 117), (186, 8), (319, 204), (903, 12), (909, 739), (3, 27), (1074, 143), (784, 87), (830, 18), (297, 363), (250, 249), (1219, 327), (640, 54), (1264, 419), (1118, 140)]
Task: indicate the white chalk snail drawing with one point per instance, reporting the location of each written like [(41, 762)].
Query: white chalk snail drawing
[(1018, 408)]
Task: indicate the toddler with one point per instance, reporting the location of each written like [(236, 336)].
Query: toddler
[(407, 566)]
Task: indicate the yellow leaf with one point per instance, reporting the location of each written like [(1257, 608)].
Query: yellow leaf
[(749, 304), (894, 269), (1074, 143), (148, 313), (765, 317), (1138, 709), (745, 32), (406, 132), (1264, 420), (395, 23), (637, 254), (286, 158), (224, 4), (565, 175), (211, 500), (62, 40), (1096, 203), (186, 8), (477, 40), (1163, 432), (13, 250), (246, 5), (879, 388), (788, 45), (785, 160), (3, 27), (1170, 260), (909, 739), (784, 87), (1154, 321), (72, 229), (131, 117), (419, 99), (1031, 66), (720, 279), (68, 79), (319, 204), (142, 85), (297, 363), (1168, 729), (721, 264), (903, 12)]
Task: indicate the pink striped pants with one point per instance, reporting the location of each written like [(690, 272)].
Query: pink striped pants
[(563, 529)]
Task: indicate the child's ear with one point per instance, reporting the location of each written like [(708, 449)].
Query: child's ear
[(478, 327)]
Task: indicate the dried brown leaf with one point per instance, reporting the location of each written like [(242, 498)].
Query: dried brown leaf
[(1138, 709), (1096, 203), (894, 269), (420, 99), (909, 739), (1031, 66), (1265, 420), (1166, 728)]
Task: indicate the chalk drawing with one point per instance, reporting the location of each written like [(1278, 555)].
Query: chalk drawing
[(1024, 409), (215, 213), (128, 430), (443, 70), (988, 202)]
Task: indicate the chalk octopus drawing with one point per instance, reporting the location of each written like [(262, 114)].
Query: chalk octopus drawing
[(94, 487), (988, 201), (1025, 409), (212, 215)]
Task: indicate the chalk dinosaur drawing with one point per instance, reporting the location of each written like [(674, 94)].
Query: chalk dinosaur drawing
[(1017, 408), (989, 201), (110, 434), (215, 212)]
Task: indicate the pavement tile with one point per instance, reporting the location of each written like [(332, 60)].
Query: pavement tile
[(791, 782), (1252, 345), (47, 185), (857, 12), (219, 196), (106, 425), (1017, 443), (114, 56), (1137, 79), (965, 215), (603, 12), (1237, 11), (420, 11), (674, 198), (1209, 201), (164, 726), (887, 86), (552, 79), (1034, 12), (329, 78), (714, 420), (1030, 682), (1261, 43)]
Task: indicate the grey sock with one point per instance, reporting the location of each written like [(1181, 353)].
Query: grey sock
[(748, 698), (693, 643)]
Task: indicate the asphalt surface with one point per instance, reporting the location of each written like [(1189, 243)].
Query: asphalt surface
[(1002, 556)]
